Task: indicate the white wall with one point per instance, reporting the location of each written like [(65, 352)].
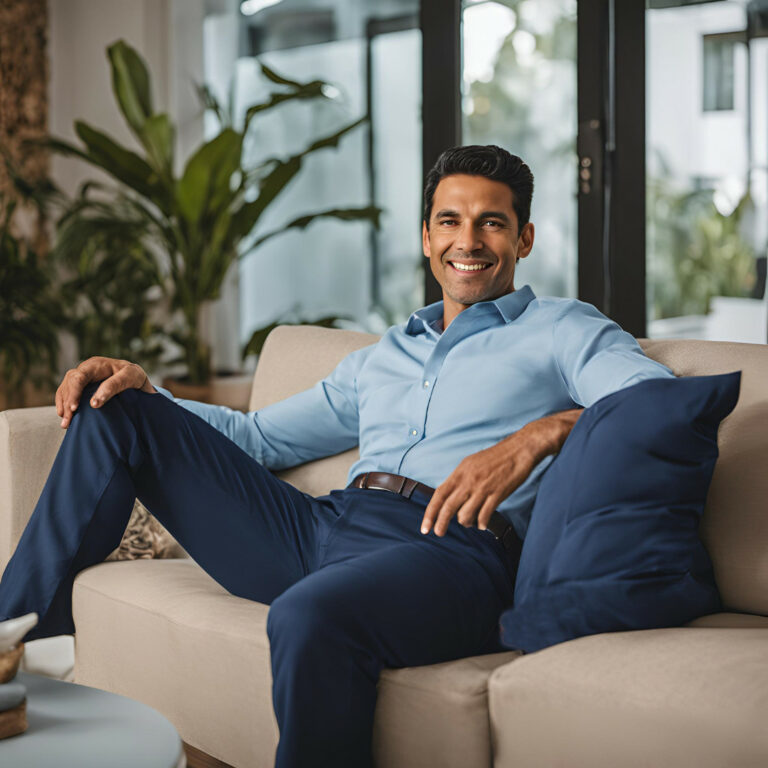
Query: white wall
[(694, 142), (80, 87)]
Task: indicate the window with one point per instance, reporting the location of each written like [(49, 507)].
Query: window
[(717, 82)]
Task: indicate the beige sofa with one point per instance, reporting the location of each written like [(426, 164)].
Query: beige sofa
[(163, 632)]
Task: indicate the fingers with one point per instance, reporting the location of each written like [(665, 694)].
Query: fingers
[(129, 376), (444, 509), (434, 506), (486, 510), (117, 374), (68, 394)]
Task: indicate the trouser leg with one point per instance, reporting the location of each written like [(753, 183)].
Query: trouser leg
[(254, 534), (395, 598)]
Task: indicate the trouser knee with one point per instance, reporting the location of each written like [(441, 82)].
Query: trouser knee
[(90, 390), (113, 425), (125, 401), (300, 623)]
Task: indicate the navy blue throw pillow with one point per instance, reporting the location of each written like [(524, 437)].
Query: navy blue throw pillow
[(613, 540)]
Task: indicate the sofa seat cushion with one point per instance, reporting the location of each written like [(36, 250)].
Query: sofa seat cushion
[(665, 698), (165, 633), (436, 715)]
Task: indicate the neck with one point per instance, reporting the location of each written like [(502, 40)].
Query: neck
[(452, 309)]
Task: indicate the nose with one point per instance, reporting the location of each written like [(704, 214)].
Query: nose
[(468, 238)]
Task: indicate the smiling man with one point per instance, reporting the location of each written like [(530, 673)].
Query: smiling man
[(473, 240), (457, 413)]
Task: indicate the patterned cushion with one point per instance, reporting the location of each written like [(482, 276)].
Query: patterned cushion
[(146, 538)]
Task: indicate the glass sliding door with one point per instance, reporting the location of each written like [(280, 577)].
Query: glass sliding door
[(519, 92), (370, 54), (706, 163)]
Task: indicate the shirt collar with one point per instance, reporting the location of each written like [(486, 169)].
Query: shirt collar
[(510, 307)]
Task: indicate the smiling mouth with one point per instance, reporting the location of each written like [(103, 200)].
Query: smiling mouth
[(465, 268)]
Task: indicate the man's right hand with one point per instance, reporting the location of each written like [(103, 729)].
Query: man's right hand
[(118, 375)]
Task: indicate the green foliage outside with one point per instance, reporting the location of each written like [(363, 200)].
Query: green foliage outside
[(694, 251), (503, 113)]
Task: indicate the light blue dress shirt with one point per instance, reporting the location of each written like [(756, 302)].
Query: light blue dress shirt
[(421, 399)]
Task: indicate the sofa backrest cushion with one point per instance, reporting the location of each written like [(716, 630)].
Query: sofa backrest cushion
[(613, 543), (293, 359), (735, 523)]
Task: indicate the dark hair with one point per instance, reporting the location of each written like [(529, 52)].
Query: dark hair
[(490, 161)]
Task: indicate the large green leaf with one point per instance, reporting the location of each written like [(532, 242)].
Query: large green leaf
[(333, 139), (270, 74), (158, 135), (205, 183), (130, 83), (121, 163), (313, 89), (280, 98), (245, 218), (370, 213)]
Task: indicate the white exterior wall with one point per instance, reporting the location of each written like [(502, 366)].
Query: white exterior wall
[(692, 141)]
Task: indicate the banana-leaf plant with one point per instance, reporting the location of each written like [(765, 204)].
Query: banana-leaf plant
[(200, 217)]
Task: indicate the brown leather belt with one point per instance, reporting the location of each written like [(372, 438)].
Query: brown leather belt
[(384, 481)]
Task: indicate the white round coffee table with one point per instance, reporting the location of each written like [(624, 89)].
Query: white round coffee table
[(74, 726)]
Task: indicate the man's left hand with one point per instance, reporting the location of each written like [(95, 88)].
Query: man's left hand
[(484, 479)]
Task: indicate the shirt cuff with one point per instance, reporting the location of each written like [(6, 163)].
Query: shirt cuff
[(163, 391)]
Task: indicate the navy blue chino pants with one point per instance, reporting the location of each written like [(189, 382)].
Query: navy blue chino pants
[(352, 584)]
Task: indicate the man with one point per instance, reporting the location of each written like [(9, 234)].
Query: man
[(472, 396)]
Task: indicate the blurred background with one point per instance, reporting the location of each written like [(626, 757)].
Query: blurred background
[(180, 175)]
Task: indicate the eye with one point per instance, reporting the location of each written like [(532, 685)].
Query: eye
[(493, 223), (448, 221)]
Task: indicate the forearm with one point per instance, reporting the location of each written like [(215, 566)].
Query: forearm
[(546, 436), (486, 478)]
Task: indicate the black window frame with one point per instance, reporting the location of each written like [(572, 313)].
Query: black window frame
[(611, 143)]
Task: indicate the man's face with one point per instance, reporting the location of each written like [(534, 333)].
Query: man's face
[(473, 241)]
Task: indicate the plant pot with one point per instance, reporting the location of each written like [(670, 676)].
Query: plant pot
[(230, 388), (187, 391)]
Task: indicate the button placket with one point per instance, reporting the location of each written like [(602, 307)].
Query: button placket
[(418, 424)]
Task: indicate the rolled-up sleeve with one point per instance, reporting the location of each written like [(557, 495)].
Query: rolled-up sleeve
[(320, 421), (596, 357)]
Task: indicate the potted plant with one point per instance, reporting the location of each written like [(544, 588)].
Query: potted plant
[(30, 316), (197, 219)]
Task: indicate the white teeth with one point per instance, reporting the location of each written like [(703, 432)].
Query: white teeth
[(469, 267)]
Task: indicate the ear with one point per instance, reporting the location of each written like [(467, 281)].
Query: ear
[(425, 240), (526, 240)]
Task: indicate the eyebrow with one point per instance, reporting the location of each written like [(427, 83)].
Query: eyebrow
[(445, 213)]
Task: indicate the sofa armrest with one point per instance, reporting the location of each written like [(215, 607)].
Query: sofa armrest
[(658, 697), (29, 441)]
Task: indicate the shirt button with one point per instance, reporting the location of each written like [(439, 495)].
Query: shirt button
[(426, 384), (414, 432)]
